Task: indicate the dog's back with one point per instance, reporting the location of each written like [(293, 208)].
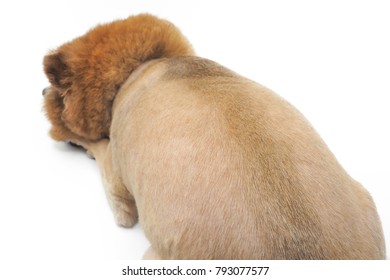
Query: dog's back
[(222, 168)]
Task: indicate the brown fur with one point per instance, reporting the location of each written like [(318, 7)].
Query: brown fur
[(214, 166), (87, 72)]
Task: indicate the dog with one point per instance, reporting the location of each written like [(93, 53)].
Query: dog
[(212, 165)]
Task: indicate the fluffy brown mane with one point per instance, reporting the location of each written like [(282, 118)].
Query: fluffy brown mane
[(87, 72)]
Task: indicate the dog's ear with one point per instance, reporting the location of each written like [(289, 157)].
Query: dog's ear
[(87, 114), (56, 69)]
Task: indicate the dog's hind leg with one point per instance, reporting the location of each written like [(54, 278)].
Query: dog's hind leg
[(151, 254)]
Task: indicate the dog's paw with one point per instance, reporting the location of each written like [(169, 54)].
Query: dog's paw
[(90, 154), (90, 147), (79, 145), (125, 219), (125, 214)]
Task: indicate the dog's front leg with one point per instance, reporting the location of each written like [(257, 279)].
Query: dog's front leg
[(120, 199)]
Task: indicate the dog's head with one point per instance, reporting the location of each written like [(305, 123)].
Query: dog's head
[(86, 73)]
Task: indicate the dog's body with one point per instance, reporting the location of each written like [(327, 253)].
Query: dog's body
[(215, 166)]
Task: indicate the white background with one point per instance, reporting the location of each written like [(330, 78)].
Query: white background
[(331, 59)]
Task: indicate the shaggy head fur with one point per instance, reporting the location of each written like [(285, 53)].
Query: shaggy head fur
[(86, 73)]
